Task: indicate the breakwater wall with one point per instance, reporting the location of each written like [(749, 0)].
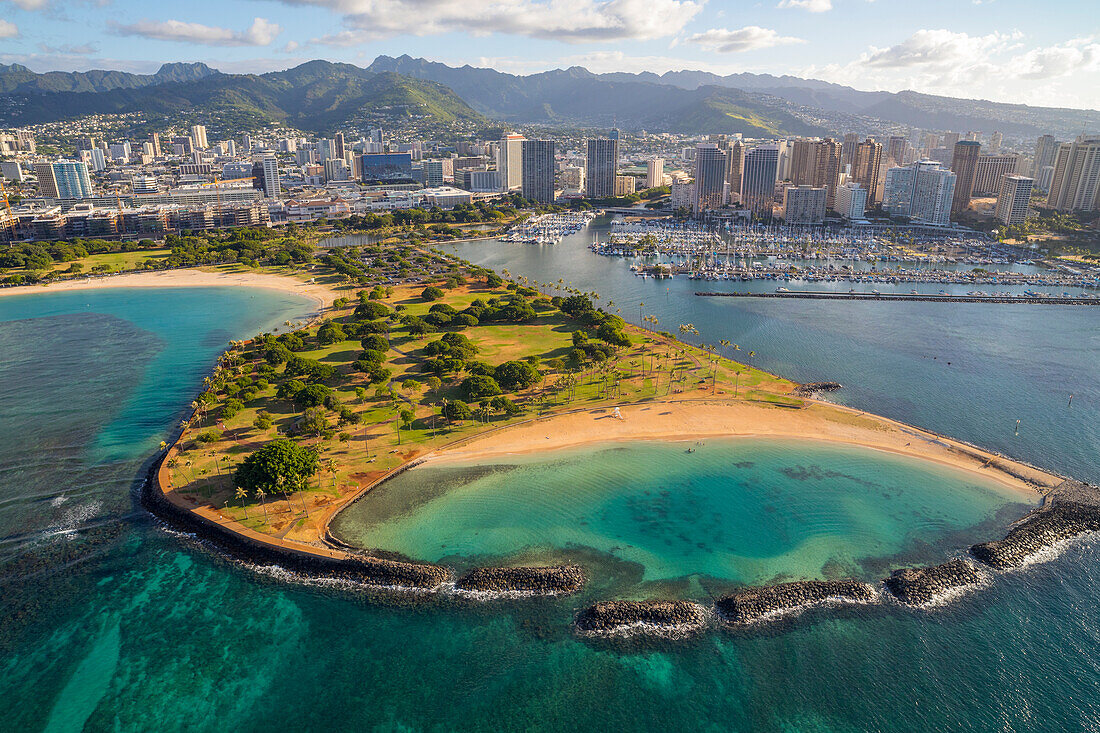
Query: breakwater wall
[(827, 295), (1062, 520), (754, 604), (357, 569), (926, 586), (554, 580), (651, 617)]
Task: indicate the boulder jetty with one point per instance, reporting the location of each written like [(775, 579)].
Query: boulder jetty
[(753, 604), (553, 580), (924, 586), (659, 617)]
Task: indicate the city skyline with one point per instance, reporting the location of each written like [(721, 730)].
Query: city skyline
[(976, 50)]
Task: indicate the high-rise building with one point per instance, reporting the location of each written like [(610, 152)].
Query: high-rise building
[(121, 151), (154, 138), (265, 172), (989, 172), (1013, 200), (758, 180), (246, 143), (600, 167), (710, 177), (995, 142), (386, 168), (510, 161), (64, 179), (848, 151), (99, 160), (11, 170), (336, 169), (804, 204), (867, 169), (949, 140), (922, 191), (817, 163), (895, 149), (198, 136), (338, 141), (851, 201), (964, 163), (1045, 148), (655, 173), (1046, 176), (437, 171), (1075, 184), (537, 174), (625, 185)]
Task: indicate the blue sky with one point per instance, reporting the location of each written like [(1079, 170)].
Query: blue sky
[(1006, 50)]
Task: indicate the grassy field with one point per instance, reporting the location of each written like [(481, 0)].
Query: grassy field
[(371, 439)]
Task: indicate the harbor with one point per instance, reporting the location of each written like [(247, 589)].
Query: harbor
[(1035, 299), (549, 228)]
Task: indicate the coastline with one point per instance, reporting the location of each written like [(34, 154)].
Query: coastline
[(186, 278), (714, 418)]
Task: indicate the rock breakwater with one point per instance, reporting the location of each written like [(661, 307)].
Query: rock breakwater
[(374, 571), (925, 586), (661, 617), (554, 580), (753, 604), (1062, 520), (812, 388)]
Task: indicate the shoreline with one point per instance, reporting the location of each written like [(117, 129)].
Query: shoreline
[(322, 295), (692, 420)]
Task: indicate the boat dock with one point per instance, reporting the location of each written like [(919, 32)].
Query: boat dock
[(930, 297)]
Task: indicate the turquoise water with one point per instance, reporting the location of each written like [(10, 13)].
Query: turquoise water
[(109, 623), (740, 510)]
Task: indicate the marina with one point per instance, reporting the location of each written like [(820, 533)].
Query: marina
[(549, 228), (1035, 299)]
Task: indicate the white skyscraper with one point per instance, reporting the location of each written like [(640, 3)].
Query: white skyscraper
[(851, 200), (655, 173), (1075, 185), (510, 161), (922, 191), (198, 137), (1013, 200), (804, 204)]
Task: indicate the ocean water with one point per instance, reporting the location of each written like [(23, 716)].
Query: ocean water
[(741, 510), (108, 622)]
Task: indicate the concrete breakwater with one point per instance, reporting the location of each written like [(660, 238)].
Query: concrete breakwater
[(608, 617), (554, 580), (1062, 520), (754, 604), (363, 569), (924, 586), (830, 295)]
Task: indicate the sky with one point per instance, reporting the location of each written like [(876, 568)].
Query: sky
[(1040, 53)]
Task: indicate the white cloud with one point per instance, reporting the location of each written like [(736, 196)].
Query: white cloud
[(814, 6), (571, 21), (749, 38), (938, 48), (29, 4), (341, 39), (86, 49), (997, 66), (1075, 56), (261, 33), (8, 29)]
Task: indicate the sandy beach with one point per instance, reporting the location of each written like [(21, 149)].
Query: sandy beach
[(192, 278), (700, 419)]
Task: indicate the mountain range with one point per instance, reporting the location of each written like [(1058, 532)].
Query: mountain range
[(321, 96)]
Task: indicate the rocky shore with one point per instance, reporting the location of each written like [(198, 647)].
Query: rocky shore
[(554, 580), (811, 388), (922, 586), (753, 604), (608, 617), (1062, 520), (363, 569)]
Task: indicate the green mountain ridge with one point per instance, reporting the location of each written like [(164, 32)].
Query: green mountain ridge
[(318, 96)]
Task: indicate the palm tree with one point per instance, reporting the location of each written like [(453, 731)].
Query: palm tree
[(260, 494), (241, 495), (331, 466)]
